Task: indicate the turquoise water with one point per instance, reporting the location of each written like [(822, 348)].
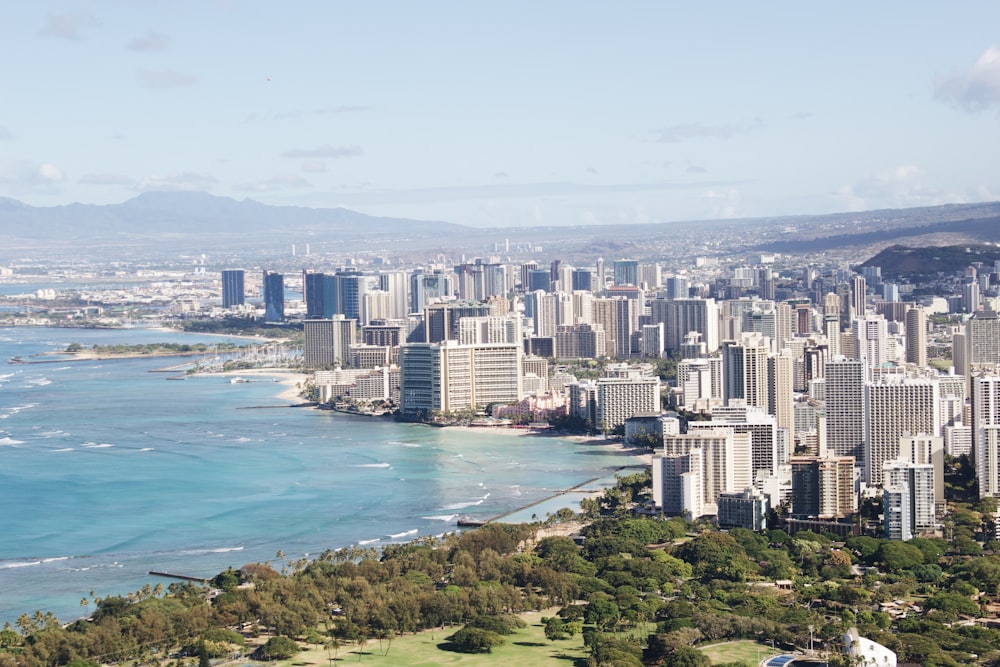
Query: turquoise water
[(108, 471)]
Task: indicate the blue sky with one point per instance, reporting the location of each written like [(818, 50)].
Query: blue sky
[(505, 113)]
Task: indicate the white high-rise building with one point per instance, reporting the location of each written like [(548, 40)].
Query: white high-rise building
[(764, 452), (450, 377), (844, 388), (982, 336), (678, 484), (871, 341), (918, 480), (725, 460), (897, 406), (680, 316), (926, 450), (986, 433), (621, 398)]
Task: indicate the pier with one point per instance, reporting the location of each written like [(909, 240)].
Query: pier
[(182, 577)]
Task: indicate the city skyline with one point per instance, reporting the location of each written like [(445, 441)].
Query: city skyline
[(494, 116)]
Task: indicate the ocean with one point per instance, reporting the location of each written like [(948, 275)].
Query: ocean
[(108, 471)]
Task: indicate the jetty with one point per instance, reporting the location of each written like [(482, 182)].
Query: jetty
[(182, 577)]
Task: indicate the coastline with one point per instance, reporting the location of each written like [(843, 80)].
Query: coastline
[(291, 381), (641, 454)]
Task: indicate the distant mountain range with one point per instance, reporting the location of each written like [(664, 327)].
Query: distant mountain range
[(155, 221), (173, 214)]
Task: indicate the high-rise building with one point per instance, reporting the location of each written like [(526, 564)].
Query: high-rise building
[(274, 297), (781, 390), (652, 340), (397, 284), (725, 460), (898, 406), (918, 480), (327, 342), (916, 336), (621, 398), (823, 486), (982, 336), (926, 450), (678, 287), (313, 288), (626, 272), (846, 408), (678, 483), (896, 508), (441, 319), (450, 377), (871, 341), (765, 455), (743, 509), (859, 286), (986, 433), (232, 288), (681, 316), (583, 280), (579, 341), (425, 287)]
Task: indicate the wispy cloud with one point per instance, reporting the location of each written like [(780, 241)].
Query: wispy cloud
[(165, 79), (275, 184), (676, 133), (898, 187), (5, 134), (298, 113), (106, 179), (324, 151), (151, 41), (21, 174), (313, 166), (181, 182), (68, 26), (976, 88)]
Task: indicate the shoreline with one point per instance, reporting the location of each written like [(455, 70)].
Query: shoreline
[(292, 381)]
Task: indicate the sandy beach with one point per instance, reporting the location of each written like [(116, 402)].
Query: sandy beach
[(641, 454), (291, 381)]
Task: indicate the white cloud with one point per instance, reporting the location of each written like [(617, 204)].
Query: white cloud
[(68, 26), (183, 182), (324, 151), (21, 176), (151, 41), (5, 134), (165, 79), (901, 186), (275, 184), (51, 173), (976, 88)]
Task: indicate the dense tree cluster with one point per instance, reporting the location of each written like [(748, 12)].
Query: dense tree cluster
[(640, 591)]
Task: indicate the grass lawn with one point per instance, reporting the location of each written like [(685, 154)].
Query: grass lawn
[(525, 648), (745, 649)]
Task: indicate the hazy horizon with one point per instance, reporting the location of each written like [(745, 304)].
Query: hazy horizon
[(506, 115)]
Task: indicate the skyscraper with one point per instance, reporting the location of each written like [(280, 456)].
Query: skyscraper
[(626, 272), (327, 342), (845, 408), (897, 406), (986, 433), (916, 337), (232, 288), (274, 297)]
